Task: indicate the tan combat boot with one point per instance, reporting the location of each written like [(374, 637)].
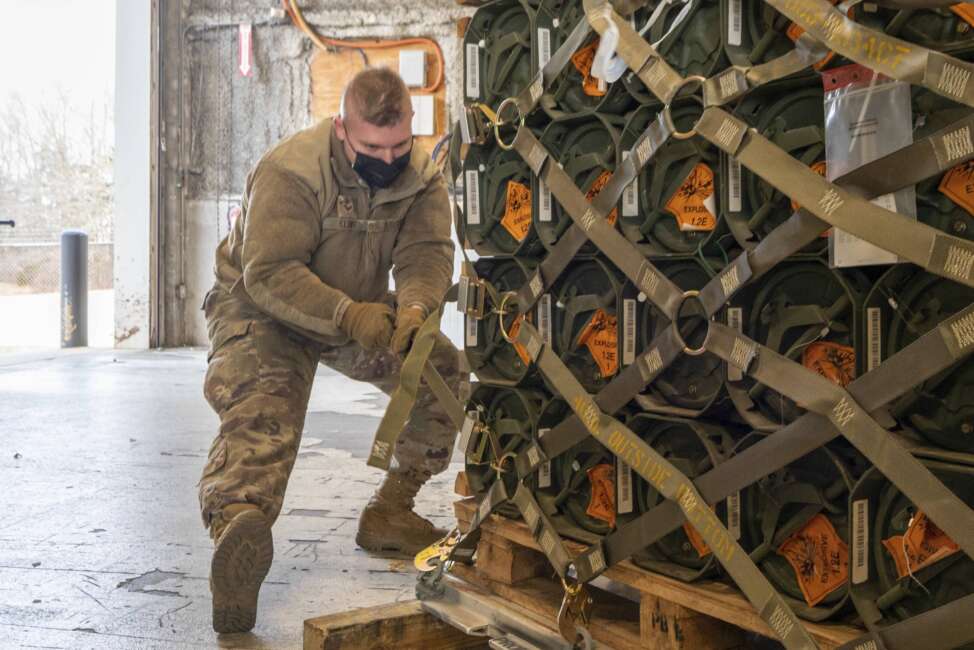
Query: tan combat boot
[(241, 560), (388, 524)]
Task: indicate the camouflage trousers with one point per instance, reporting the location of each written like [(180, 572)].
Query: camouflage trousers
[(259, 379)]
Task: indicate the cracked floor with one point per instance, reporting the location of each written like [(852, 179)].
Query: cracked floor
[(101, 544)]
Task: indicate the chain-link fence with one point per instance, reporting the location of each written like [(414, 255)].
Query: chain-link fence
[(33, 267)]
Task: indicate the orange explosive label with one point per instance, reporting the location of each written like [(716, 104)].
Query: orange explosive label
[(835, 362), (601, 337), (965, 10), (602, 505), (512, 332), (958, 185), (517, 210), (697, 541), (923, 544), (582, 59), (795, 32), (694, 204), (819, 558), (597, 187)]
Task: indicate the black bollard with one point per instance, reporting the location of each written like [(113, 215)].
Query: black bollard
[(74, 289)]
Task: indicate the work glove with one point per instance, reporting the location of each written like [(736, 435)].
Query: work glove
[(408, 320), (369, 323)]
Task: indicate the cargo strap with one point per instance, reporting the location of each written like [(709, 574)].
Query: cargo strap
[(671, 484), (885, 54), (416, 366), (952, 622)]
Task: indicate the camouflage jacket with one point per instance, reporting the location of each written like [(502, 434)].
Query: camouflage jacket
[(312, 237)]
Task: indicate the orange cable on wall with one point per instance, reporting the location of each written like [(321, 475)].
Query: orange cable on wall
[(292, 9)]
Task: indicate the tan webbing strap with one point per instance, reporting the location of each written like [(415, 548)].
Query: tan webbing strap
[(886, 54), (952, 626), (440, 389), (659, 289), (937, 252), (673, 485), (818, 394), (542, 530)]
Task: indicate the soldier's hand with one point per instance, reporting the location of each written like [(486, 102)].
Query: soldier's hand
[(408, 320), (369, 323)]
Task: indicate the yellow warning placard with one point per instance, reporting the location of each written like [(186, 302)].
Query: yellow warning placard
[(602, 504), (517, 210), (965, 10), (819, 558), (694, 204), (835, 362), (601, 337)]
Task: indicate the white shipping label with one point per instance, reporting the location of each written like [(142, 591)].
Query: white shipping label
[(734, 515), (860, 541), (544, 46), (628, 331), (630, 196), (874, 338), (471, 339), (734, 192), (471, 181), (544, 202), (544, 469), (886, 201), (735, 320), (544, 318), (735, 22), (473, 70), (623, 487)]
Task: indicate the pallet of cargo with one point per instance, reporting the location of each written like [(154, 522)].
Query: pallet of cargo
[(671, 614)]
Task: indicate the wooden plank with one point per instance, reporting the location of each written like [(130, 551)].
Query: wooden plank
[(615, 620), (331, 71), (460, 485), (501, 560), (391, 627), (715, 599), (669, 626)]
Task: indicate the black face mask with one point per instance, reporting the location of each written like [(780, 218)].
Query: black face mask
[(377, 172)]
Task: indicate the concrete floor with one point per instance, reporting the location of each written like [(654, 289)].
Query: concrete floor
[(101, 544)]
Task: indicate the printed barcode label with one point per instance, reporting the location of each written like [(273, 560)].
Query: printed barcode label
[(623, 487), (734, 515), (544, 318), (544, 202), (860, 541), (471, 332), (734, 194), (735, 319), (473, 70), (544, 46), (874, 338), (630, 200), (471, 179), (734, 22), (544, 469), (629, 331)]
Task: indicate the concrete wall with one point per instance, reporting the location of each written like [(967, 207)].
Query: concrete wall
[(235, 118), (132, 173)]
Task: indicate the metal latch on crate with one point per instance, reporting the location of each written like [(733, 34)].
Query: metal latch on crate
[(472, 297), (475, 125)]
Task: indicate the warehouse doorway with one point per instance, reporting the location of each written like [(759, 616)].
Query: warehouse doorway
[(56, 155)]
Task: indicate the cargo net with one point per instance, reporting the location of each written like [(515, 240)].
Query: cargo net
[(671, 370)]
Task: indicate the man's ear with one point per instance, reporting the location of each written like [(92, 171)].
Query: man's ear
[(340, 128)]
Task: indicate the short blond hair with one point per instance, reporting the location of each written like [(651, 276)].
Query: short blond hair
[(377, 95)]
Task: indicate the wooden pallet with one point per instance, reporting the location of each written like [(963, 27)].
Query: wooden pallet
[(671, 614)]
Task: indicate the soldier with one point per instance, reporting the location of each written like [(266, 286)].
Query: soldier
[(301, 278)]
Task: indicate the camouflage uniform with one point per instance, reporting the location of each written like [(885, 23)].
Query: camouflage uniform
[(311, 239)]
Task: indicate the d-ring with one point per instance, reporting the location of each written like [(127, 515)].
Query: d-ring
[(499, 122), (693, 352), (501, 311), (668, 115)]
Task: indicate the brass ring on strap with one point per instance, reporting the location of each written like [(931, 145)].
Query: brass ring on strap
[(667, 111), (499, 122), (693, 352), (501, 311)]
